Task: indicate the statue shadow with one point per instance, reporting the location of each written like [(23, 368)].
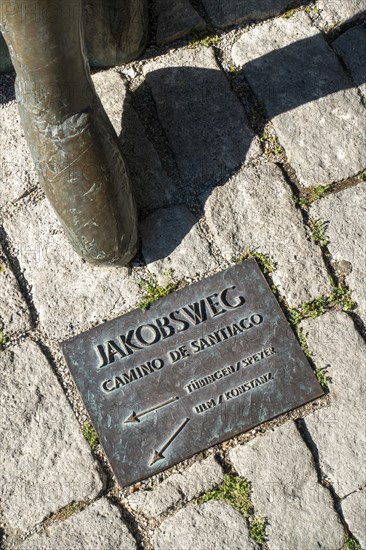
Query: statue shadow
[(184, 130), (197, 131)]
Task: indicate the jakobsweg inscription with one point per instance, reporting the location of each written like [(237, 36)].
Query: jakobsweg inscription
[(201, 365), (175, 322)]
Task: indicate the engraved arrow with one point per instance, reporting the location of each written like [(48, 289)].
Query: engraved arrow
[(135, 417), (158, 455)]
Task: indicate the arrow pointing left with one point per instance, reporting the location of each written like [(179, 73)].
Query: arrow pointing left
[(135, 417)]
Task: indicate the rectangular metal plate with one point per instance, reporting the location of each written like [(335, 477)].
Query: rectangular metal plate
[(203, 364)]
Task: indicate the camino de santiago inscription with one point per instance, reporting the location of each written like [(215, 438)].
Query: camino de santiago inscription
[(205, 363)]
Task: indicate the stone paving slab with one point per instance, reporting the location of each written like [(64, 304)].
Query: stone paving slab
[(345, 217), (99, 526), (318, 116), (212, 525), (69, 294), (152, 185), (338, 11), (179, 488), (176, 19), (188, 135), (338, 433), (233, 12), (351, 46), (354, 509), (171, 239), (255, 210), (45, 461), (17, 172), (286, 491), (204, 121), (14, 313)]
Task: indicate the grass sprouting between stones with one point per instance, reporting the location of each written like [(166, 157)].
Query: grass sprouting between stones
[(317, 228), (311, 195), (289, 12), (257, 528), (321, 377), (302, 341), (350, 543), (236, 492), (308, 310), (153, 291), (340, 299), (362, 176), (205, 38), (90, 434), (263, 260)]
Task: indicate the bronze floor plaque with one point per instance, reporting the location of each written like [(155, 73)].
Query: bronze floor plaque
[(203, 364)]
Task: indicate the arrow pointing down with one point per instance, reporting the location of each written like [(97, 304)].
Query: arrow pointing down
[(158, 455)]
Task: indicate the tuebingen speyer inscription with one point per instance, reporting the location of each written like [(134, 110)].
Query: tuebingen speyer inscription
[(203, 364)]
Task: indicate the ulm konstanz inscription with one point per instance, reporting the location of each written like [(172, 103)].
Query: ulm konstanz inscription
[(203, 364)]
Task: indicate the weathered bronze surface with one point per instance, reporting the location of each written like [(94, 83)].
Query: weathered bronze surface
[(73, 144), (115, 30), (205, 363)]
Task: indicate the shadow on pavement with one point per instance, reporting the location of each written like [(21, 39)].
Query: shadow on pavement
[(206, 126)]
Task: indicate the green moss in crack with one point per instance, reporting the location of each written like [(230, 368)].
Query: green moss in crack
[(361, 176), (257, 529), (90, 434), (237, 492), (204, 38), (321, 377), (234, 491), (302, 341), (153, 291), (262, 259), (341, 298), (318, 228), (312, 194), (351, 543), (309, 310)]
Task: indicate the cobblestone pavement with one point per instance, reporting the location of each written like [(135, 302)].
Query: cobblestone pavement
[(248, 135)]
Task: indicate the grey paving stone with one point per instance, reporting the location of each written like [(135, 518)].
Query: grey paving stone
[(69, 294), (233, 12), (316, 112), (354, 510), (17, 173), (345, 214), (176, 19), (214, 525), (14, 313), (153, 187), (45, 462), (351, 46), (99, 526), (203, 120), (255, 210), (338, 11), (179, 488), (171, 239), (286, 491), (338, 432)]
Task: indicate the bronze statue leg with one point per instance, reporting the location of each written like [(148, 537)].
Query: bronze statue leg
[(72, 141), (115, 30)]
